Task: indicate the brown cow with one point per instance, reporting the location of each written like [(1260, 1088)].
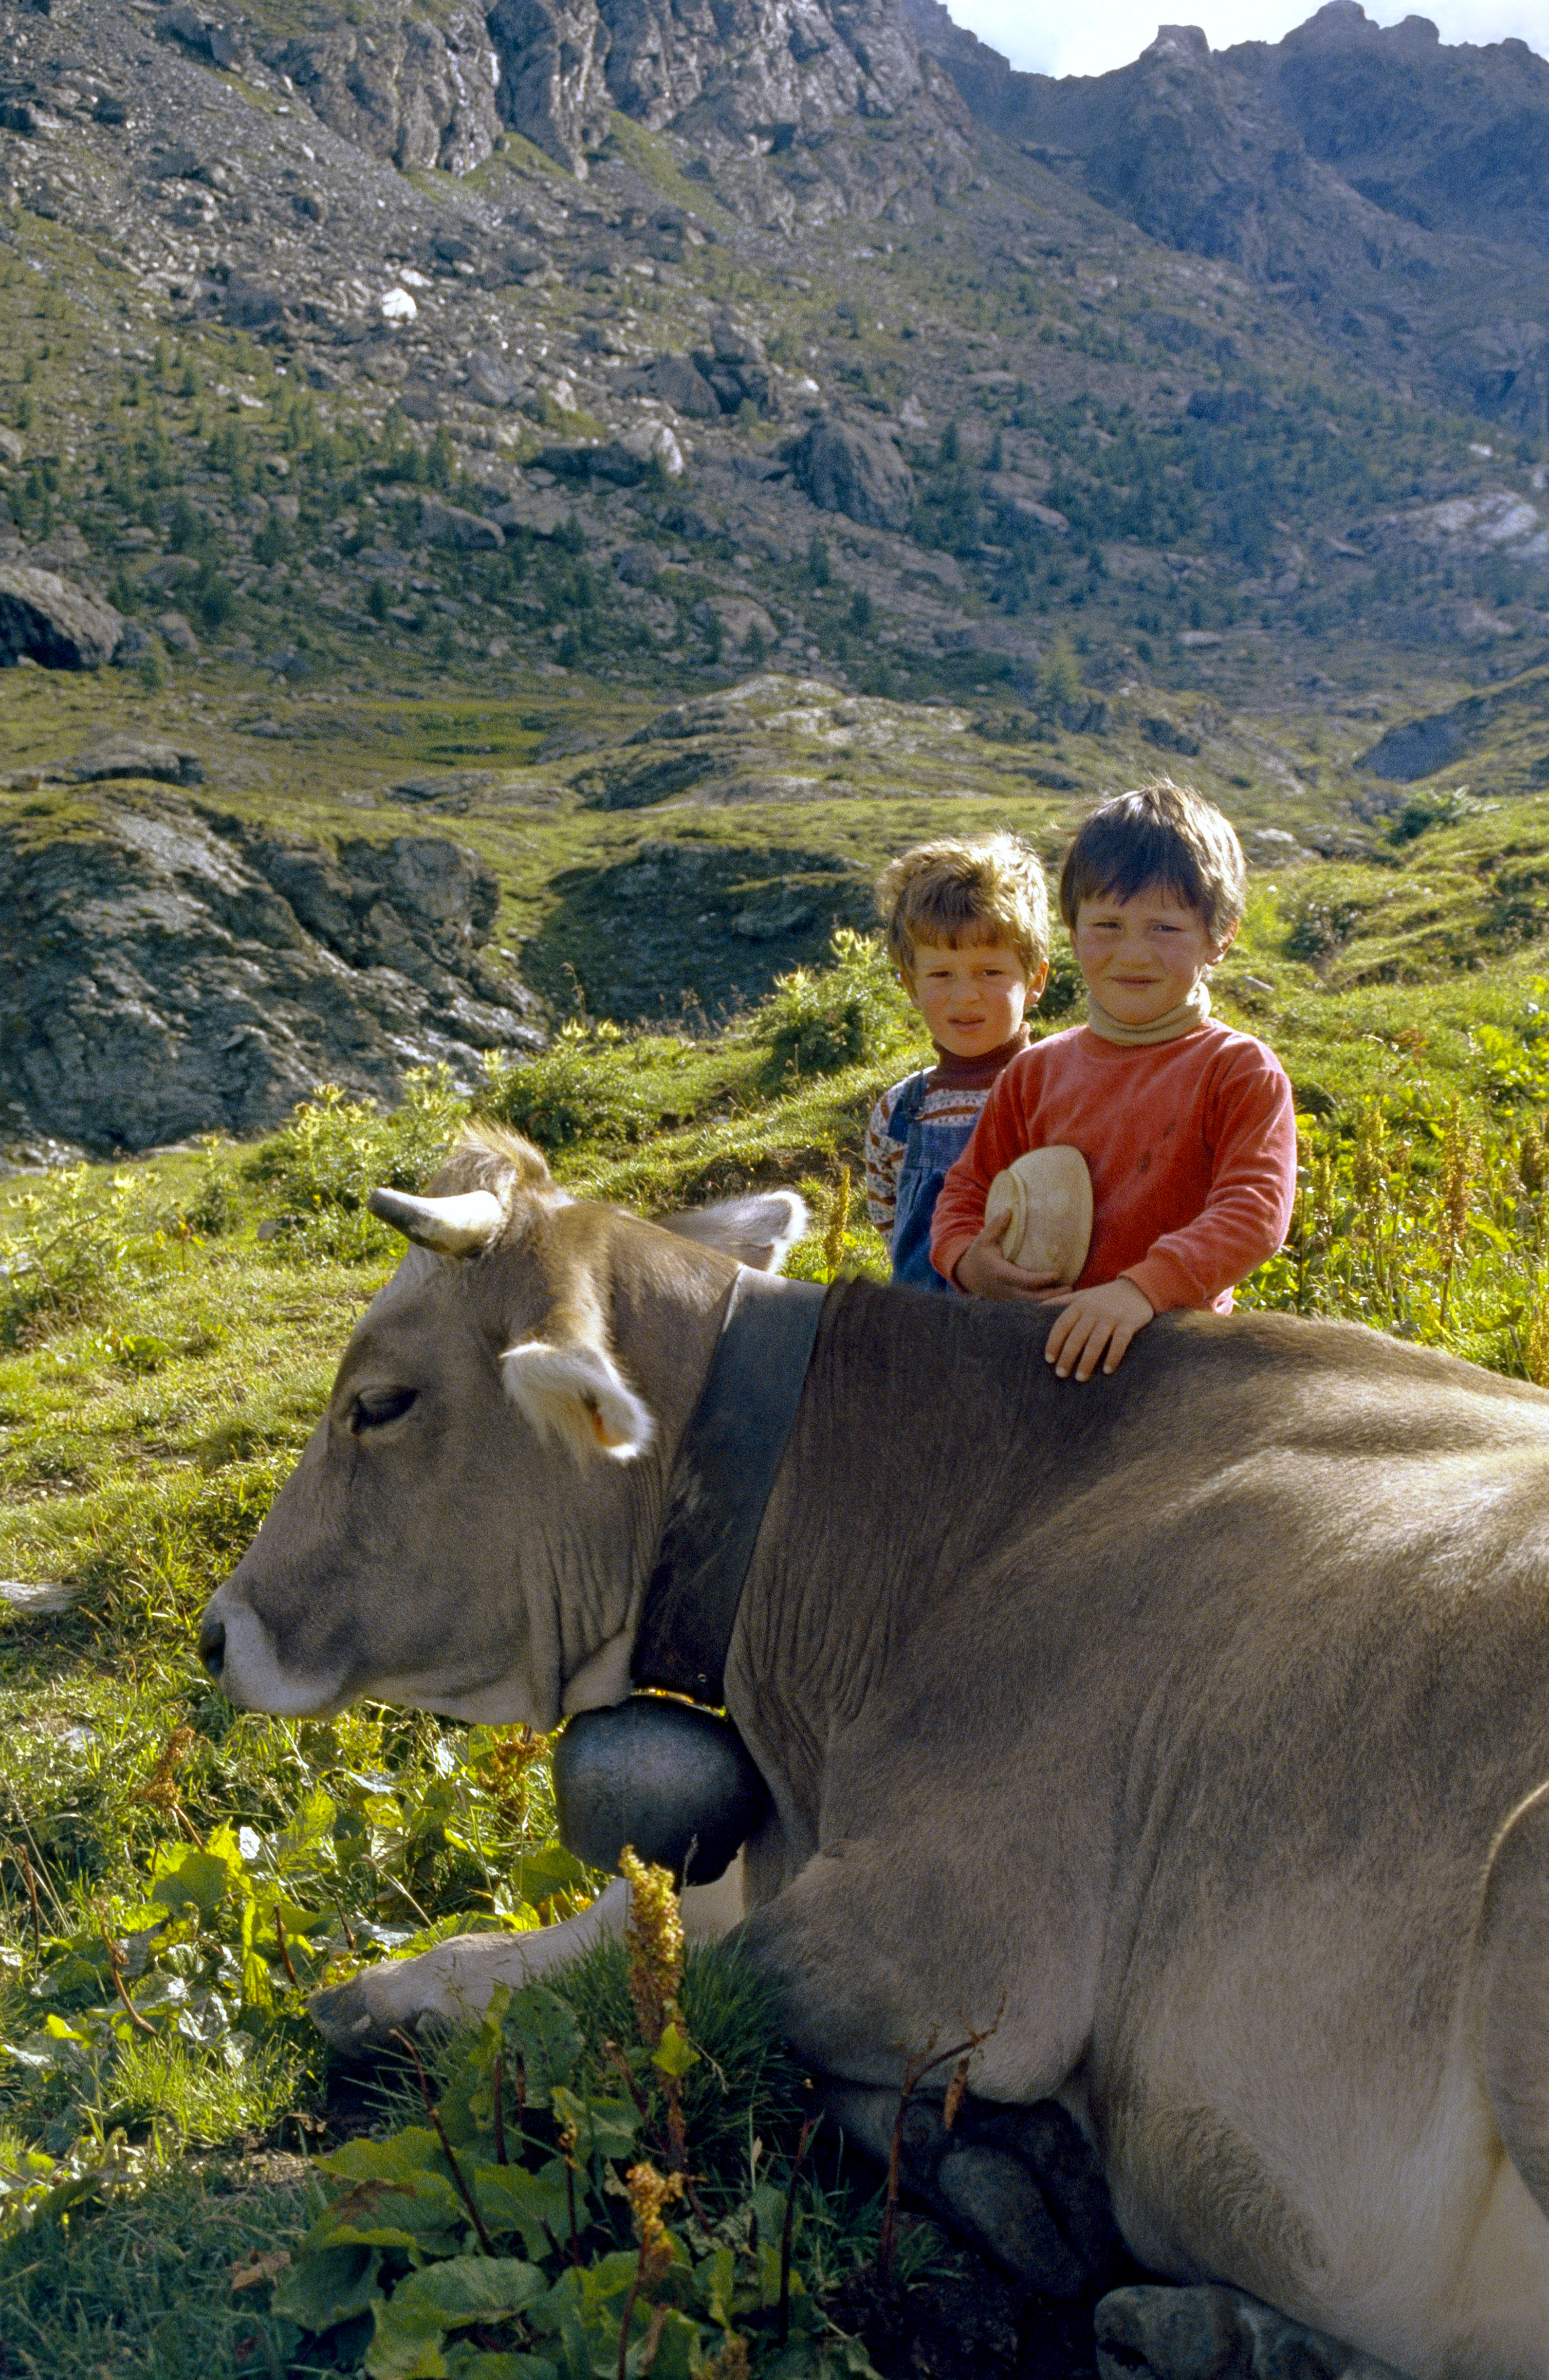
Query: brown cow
[(1182, 1733)]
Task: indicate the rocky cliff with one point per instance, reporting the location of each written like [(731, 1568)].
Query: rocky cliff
[(166, 969)]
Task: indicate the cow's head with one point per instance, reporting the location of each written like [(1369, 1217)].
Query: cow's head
[(470, 1526)]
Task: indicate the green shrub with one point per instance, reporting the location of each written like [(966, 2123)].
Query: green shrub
[(559, 2145), (334, 1152), (845, 1015), (80, 1241), (1318, 928)]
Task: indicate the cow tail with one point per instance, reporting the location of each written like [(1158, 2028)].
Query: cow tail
[(1511, 1989)]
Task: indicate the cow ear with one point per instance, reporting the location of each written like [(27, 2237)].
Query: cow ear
[(759, 1231), (576, 1393)]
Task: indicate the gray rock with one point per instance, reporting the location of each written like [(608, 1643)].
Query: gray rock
[(538, 509), (445, 524), (251, 305), (1210, 2333), (167, 971), (552, 88), (11, 446), (1417, 749), (611, 462), (46, 619), (177, 635), (135, 756), (678, 383), (639, 565), (491, 381), (415, 93), (845, 469)]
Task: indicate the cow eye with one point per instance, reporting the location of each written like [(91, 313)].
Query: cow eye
[(374, 1408)]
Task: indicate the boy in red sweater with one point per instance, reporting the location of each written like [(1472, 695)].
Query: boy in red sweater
[(1186, 1128)]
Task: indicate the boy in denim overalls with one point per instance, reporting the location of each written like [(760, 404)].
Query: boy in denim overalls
[(968, 930)]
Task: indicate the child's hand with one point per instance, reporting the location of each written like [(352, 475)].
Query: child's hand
[(983, 1271), (1091, 1321)]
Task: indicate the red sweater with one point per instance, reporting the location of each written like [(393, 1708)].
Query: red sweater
[(1191, 1145)]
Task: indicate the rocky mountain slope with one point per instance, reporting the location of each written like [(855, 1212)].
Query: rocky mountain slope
[(401, 394)]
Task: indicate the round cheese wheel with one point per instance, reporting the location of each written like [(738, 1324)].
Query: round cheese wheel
[(1047, 1194)]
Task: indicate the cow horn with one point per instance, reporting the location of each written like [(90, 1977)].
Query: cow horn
[(453, 1227)]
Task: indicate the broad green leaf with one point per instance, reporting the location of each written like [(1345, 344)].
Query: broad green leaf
[(679, 2353), (443, 2297), (541, 2031), (472, 2363), (512, 2199), (185, 1879), (328, 2286), (396, 2194), (551, 1870), (603, 2127), (674, 2053), (715, 2284)]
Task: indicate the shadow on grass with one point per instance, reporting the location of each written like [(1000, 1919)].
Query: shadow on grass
[(141, 2286)]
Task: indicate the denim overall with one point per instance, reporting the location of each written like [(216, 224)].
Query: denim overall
[(930, 1152)]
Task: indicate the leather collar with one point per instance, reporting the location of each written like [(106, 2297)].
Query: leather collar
[(720, 1482)]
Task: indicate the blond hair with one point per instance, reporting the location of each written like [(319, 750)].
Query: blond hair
[(1162, 834), (991, 889)]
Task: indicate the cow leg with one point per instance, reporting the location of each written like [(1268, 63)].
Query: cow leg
[(876, 1977), (1023, 2183), (454, 1982), (1210, 2333)]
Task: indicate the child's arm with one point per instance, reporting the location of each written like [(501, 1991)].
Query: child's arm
[(1244, 1219), (961, 1248), (1252, 1191)]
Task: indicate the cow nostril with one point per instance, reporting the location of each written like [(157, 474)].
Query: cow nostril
[(212, 1645)]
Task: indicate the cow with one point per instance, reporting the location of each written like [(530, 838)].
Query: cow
[(1181, 1736)]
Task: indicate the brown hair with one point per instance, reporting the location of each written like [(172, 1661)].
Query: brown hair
[(988, 891), (1164, 834)]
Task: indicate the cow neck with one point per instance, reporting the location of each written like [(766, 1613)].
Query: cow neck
[(719, 1484)]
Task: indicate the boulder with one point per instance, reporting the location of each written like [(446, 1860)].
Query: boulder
[(1418, 749), (445, 524), (845, 469), (490, 380), (134, 755), (46, 618), (680, 385), (166, 970), (611, 463), (251, 305)]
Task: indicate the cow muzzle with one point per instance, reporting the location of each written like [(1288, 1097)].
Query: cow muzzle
[(235, 1648)]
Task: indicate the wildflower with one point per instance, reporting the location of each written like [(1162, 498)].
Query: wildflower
[(655, 1937)]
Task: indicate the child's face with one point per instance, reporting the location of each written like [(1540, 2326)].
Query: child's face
[(1142, 957), (973, 998)]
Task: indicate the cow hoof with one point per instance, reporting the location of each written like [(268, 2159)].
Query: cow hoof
[(1021, 2183), (349, 2018), (995, 2198), (1216, 2333)]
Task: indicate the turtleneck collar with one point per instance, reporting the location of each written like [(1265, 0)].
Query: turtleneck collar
[(1185, 1018), (954, 1073)]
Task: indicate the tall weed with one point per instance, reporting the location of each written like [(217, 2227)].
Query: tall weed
[(324, 1163), (851, 1012)]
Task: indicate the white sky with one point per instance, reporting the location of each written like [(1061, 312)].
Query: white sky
[(1107, 33)]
